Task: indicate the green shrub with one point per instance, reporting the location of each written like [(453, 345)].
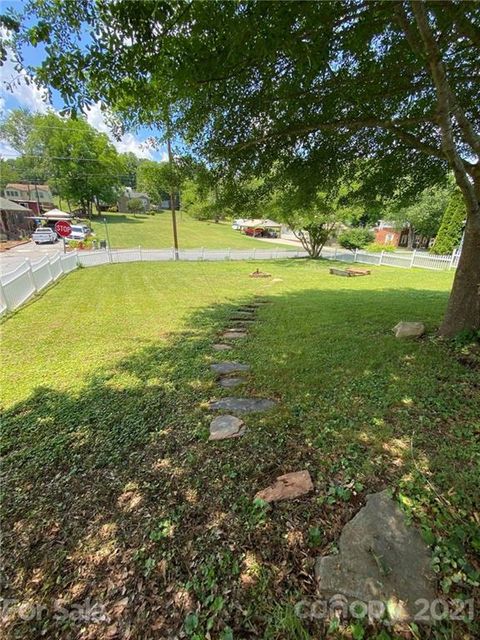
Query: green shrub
[(356, 238), (451, 228), (375, 247)]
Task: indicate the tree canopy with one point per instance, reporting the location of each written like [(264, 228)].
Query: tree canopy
[(80, 164), (302, 87)]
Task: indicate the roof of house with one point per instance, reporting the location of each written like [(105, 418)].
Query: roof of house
[(135, 194), (258, 224), (20, 186), (8, 205)]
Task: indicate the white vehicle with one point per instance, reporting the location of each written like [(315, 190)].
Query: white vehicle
[(44, 235), (79, 232)]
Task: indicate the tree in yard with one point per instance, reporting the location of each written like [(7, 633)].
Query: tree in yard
[(135, 205), (155, 179), (308, 85), (9, 172), (311, 217), (80, 163), (451, 228), (356, 238)]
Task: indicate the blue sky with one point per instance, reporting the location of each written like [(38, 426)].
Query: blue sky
[(29, 96)]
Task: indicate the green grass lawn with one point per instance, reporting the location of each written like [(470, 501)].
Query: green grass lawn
[(111, 491), (155, 232)]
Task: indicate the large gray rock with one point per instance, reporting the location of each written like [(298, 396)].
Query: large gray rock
[(409, 329), (224, 427), (242, 405), (380, 559), (228, 367)]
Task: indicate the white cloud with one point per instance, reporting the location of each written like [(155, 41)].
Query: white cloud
[(20, 86), (128, 142), (6, 151)]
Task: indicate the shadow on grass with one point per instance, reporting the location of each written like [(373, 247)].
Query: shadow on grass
[(114, 493)]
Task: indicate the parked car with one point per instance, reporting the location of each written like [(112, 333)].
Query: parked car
[(237, 224), (44, 235), (80, 232)]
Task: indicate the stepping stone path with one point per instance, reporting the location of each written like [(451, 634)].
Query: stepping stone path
[(288, 486), (228, 383), (229, 367), (242, 405), (222, 347), (224, 427), (381, 559)]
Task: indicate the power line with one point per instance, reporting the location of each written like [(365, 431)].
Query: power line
[(31, 155)]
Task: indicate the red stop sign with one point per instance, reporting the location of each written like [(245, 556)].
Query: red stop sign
[(63, 228)]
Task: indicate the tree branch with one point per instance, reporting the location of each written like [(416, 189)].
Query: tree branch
[(469, 134), (439, 76), (353, 125)]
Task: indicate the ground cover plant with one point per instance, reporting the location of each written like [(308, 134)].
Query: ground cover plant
[(155, 232), (112, 494)]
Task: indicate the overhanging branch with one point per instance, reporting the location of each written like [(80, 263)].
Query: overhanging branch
[(351, 125)]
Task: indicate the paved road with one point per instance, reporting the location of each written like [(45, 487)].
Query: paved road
[(13, 258)]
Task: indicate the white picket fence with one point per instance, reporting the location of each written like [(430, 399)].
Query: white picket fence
[(417, 259), (17, 286)]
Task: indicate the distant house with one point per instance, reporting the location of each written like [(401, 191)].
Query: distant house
[(36, 197), (15, 220), (130, 194), (387, 233)]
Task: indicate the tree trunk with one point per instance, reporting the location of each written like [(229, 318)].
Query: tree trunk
[(410, 237), (463, 310)]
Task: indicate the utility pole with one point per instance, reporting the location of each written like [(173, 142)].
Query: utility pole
[(172, 198), (107, 238)]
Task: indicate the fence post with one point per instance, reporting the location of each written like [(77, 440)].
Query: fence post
[(30, 274), (412, 260), (335, 254), (140, 252), (254, 253), (355, 255), (381, 257), (229, 253), (452, 259), (203, 253)]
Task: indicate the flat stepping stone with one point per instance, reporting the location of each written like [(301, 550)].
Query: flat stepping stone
[(243, 319), (381, 559), (242, 405), (241, 325), (286, 487), (222, 347), (229, 383), (228, 367), (234, 335), (224, 427)]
